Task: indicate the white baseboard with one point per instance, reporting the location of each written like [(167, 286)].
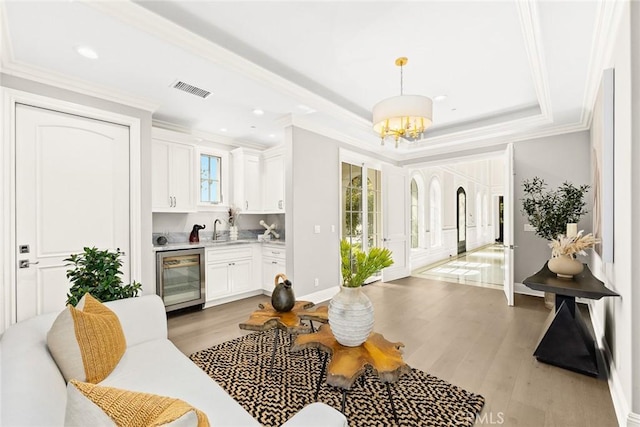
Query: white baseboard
[(620, 404), (520, 288), (321, 296), (633, 420), (232, 298)]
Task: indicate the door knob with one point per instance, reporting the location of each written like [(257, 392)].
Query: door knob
[(25, 263)]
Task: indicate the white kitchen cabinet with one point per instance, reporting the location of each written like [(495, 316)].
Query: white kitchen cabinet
[(230, 271), (217, 280), (173, 177), (273, 263), (247, 180), (273, 183)]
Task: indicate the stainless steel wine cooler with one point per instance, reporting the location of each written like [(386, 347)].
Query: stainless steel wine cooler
[(180, 278)]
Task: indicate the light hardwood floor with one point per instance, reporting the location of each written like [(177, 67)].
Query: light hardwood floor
[(465, 335)]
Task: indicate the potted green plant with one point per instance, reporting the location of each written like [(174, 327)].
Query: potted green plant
[(99, 273), (549, 211), (351, 311)]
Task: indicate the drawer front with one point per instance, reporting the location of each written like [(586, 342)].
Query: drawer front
[(277, 252), (228, 254)]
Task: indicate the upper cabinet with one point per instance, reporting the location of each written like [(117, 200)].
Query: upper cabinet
[(247, 180), (273, 182), (258, 180), (173, 177)]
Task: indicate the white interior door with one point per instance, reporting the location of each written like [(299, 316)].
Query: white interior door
[(508, 224), (395, 223), (72, 191)]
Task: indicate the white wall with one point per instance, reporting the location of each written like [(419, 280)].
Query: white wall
[(312, 185), (556, 159), (615, 318)]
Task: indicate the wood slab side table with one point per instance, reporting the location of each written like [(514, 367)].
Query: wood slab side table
[(266, 317), (567, 341), (350, 363)]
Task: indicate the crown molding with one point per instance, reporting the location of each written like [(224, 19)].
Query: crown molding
[(53, 78), (171, 131), (530, 24), (608, 20), (10, 66), (170, 32)]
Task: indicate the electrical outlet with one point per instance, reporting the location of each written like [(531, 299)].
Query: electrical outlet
[(316, 282), (316, 229)]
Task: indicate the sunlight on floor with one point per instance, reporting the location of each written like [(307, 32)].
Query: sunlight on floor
[(482, 267)]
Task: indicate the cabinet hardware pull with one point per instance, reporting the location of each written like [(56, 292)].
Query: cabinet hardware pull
[(246, 205)]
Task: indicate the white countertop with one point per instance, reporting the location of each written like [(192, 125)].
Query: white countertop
[(212, 244)]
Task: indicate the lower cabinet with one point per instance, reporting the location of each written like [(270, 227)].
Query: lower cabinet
[(230, 271), (273, 263)]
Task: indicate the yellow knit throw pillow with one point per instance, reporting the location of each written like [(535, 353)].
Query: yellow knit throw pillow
[(87, 341), (131, 409)]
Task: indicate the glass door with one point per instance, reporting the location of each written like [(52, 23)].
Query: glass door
[(181, 278)]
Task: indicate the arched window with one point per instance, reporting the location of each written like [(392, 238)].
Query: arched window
[(435, 212), (415, 222)]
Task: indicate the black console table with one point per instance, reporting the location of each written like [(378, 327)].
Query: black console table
[(567, 342)]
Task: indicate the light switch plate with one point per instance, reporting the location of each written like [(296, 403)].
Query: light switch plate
[(529, 227)]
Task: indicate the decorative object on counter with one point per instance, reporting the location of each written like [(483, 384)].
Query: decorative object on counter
[(350, 310), (564, 250), (233, 232), (234, 213), (161, 240), (282, 298), (194, 237), (269, 230), (99, 273), (550, 211)]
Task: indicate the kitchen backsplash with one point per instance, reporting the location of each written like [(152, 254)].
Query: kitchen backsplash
[(177, 226)]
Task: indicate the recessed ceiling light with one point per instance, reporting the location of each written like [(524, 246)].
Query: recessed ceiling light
[(87, 52), (223, 129), (440, 98), (258, 112), (306, 108), (272, 135)]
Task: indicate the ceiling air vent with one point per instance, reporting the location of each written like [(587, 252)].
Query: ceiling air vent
[(193, 90)]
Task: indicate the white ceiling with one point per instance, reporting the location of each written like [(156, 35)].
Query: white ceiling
[(510, 70)]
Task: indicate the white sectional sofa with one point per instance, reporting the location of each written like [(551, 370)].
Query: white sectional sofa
[(33, 391)]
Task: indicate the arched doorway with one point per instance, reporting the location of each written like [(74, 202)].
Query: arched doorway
[(462, 220)]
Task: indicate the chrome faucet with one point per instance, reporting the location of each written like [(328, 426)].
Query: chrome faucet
[(215, 233)]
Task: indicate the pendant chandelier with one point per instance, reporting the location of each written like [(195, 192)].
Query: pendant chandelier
[(403, 116)]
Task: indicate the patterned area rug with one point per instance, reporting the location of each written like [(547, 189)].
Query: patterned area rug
[(241, 367)]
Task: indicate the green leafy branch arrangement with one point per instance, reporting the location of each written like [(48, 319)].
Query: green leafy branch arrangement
[(358, 266), (99, 273), (549, 211)]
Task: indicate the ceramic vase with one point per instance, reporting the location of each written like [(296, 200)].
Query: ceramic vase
[(233, 232), (283, 299), (565, 266), (351, 316)]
